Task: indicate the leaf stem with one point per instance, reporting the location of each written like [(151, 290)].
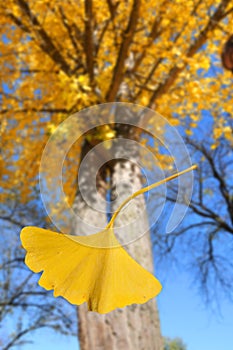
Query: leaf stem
[(145, 189)]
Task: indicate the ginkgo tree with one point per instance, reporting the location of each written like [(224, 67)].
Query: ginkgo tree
[(60, 57)]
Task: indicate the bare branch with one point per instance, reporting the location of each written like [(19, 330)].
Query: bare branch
[(217, 176), (19, 335), (12, 220)]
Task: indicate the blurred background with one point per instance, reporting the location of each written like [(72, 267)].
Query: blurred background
[(175, 57)]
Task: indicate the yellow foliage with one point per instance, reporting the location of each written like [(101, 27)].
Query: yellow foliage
[(189, 132), (218, 132), (228, 133), (51, 66)]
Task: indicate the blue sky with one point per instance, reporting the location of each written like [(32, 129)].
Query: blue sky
[(184, 314)]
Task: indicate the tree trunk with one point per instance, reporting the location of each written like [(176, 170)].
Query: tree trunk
[(135, 326)]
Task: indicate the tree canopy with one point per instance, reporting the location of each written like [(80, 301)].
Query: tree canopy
[(57, 58), (174, 344)]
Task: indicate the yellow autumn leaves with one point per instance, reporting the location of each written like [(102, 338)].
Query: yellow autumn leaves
[(95, 269), (43, 84)]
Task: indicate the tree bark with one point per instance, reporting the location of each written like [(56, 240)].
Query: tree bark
[(135, 326)]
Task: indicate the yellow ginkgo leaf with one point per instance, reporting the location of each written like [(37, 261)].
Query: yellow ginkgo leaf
[(105, 278), (94, 269)]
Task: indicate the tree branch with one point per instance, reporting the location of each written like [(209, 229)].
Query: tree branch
[(88, 42), (42, 110), (12, 220), (68, 28), (227, 13), (118, 73), (46, 43), (20, 335), (155, 32), (207, 213), (217, 176)]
